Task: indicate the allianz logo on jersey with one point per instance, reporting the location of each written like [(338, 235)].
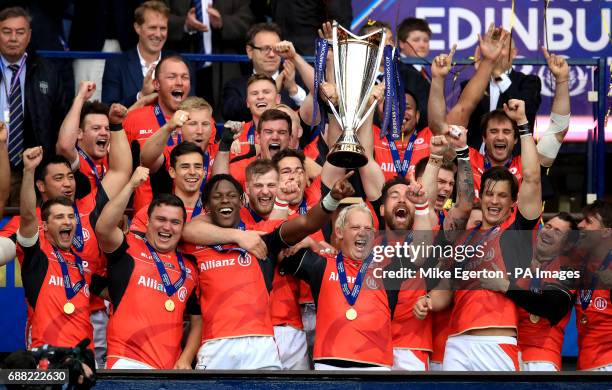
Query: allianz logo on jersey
[(154, 284), (334, 276), (244, 261), (59, 282), (145, 131)]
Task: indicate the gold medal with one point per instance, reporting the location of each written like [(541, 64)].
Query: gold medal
[(583, 320), (534, 318), (351, 314), (169, 305), (69, 308)]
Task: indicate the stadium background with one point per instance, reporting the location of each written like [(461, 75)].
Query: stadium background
[(576, 29)]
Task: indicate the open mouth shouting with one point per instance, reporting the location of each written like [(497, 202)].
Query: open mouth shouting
[(177, 94), (64, 234), (164, 237), (274, 147)]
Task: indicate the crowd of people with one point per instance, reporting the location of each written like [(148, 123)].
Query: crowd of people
[(172, 243)]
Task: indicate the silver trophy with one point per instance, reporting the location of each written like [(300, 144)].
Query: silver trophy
[(356, 61)]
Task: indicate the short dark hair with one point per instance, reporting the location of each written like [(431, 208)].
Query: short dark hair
[(413, 95), (182, 149), (499, 174), (45, 209), (573, 235), (171, 57), (164, 199), (259, 77), (392, 182), (272, 114), (601, 208), (151, 5), (288, 153), (372, 25), (259, 167), (498, 115), (94, 107), (409, 25), (42, 168), (419, 168), (259, 27), (15, 12), (212, 182)]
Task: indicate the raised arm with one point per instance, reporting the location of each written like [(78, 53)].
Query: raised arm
[(293, 231), (490, 48), (459, 214), (152, 153), (438, 145), (436, 105), (5, 168), (530, 193), (69, 130), (109, 235), (286, 50), (550, 142), (119, 155), (230, 132), (28, 222)]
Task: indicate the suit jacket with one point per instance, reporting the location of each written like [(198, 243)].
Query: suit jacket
[(234, 99), (122, 79), (419, 87), (46, 103), (523, 87)]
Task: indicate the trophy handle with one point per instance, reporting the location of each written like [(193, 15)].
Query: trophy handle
[(334, 111), (367, 114)]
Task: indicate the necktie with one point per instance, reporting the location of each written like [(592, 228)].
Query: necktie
[(203, 39), (15, 145), (424, 73)]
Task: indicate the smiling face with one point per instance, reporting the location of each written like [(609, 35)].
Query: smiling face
[(591, 229), (265, 60), (261, 190), (165, 227), (153, 32), (58, 181), (172, 83), (187, 174), (224, 204), (397, 210), (15, 34), (357, 235), (552, 238), (499, 140), (261, 95), (94, 137), (496, 202), (446, 184), (273, 137), (198, 128), (60, 226)]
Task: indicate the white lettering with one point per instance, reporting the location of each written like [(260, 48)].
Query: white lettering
[(436, 28), (56, 281), (148, 282), (581, 37), (455, 14), (563, 29), (525, 35), (211, 264)]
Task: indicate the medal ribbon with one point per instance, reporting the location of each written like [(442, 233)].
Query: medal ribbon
[(161, 120), (351, 295), (70, 289), (169, 287), (483, 240), (251, 134), (256, 217), (487, 163), (401, 166), (322, 47), (395, 104), (92, 165), (77, 240), (586, 295), (303, 209), (221, 249)]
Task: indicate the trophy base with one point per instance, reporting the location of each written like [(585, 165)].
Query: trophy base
[(347, 156)]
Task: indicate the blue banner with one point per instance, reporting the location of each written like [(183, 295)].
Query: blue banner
[(574, 29)]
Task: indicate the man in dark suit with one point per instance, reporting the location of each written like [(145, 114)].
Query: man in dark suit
[(413, 35), (130, 76), (261, 40), (33, 97), (505, 84)]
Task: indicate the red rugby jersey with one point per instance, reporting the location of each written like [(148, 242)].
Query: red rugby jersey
[(477, 161), (140, 328), (384, 158)]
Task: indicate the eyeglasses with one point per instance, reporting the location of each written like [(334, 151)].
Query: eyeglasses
[(265, 49)]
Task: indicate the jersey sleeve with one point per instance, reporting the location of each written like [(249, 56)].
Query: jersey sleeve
[(308, 266), (99, 203), (120, 268), (33, 271), (193, 304)]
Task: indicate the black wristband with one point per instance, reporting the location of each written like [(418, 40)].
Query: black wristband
[(524, 129), (463, 154), (115, 126)]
